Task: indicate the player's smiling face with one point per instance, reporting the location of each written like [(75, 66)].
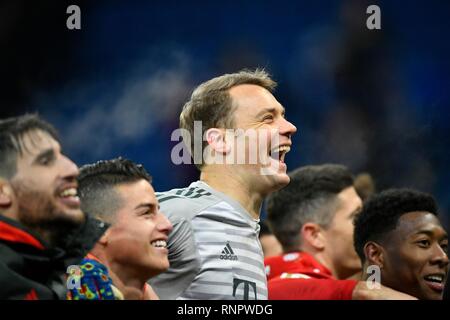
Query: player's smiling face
[(45, 184), (416, 256), (137, 240), (258, 111)]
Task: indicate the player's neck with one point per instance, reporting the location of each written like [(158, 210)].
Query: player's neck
[(130, 286), (235, 189), (320, 256), (324, 260)]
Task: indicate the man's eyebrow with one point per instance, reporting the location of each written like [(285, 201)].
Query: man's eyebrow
[(270, 110), (148, 205), (48, 153), (429, 233)]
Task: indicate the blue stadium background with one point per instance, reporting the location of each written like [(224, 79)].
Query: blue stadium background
[(377, 101)]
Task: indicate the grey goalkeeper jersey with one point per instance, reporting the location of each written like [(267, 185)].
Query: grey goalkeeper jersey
[(214, 250)]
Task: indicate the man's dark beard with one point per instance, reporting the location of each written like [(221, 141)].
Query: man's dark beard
[(43, 219), (54, 229)]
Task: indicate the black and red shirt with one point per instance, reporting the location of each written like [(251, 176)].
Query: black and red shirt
[(30, 269)]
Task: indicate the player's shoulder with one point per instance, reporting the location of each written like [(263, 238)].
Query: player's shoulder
[(186, 202), (273, 260), (284, 258)]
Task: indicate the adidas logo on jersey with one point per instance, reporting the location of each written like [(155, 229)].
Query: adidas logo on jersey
[(228, 253)]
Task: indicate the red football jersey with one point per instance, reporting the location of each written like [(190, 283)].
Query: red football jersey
[(298, 276)]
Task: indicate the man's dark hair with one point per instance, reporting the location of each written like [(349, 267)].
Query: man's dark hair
[(309, 197), (12, 132), (382, 211), (96, 184)]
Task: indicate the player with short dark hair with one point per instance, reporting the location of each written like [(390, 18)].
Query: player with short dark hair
[(134, 248), (97, 184), (309, 207), (399, 232), (42, 228)]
